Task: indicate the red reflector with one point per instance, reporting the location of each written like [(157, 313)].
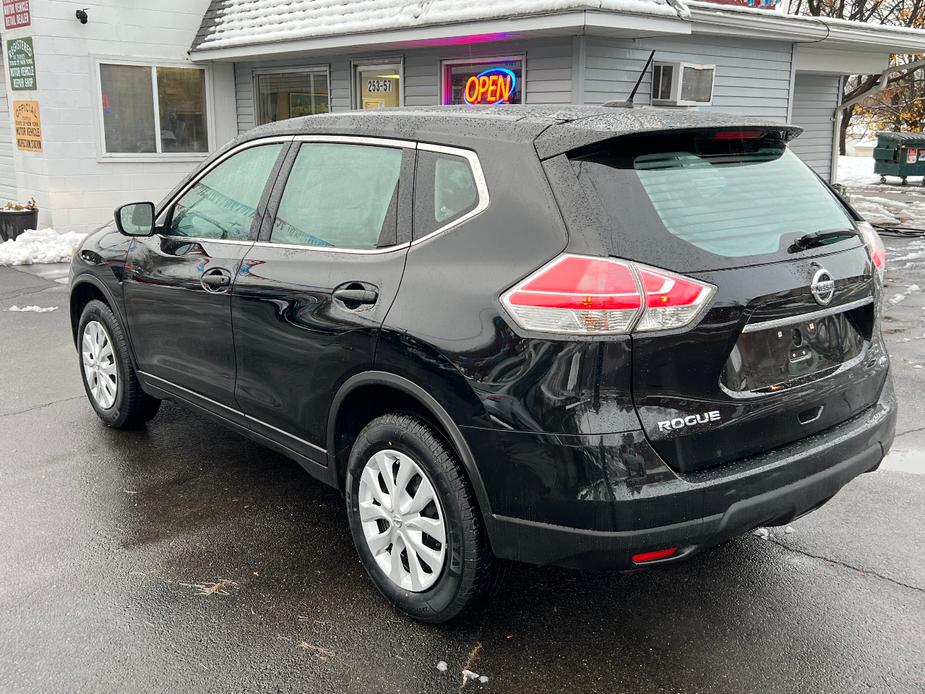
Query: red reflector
[(643, 557), (738, 135), (668, 290)]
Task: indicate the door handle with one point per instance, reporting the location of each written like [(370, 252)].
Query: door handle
[(216, 280), (355, 297)]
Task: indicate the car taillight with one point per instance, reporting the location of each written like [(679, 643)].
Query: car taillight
[(581, 295), (874, 245)]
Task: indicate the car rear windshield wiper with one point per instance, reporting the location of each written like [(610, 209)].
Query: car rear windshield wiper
[(821, 238)]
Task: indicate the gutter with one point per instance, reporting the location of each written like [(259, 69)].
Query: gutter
[(710, 18), (839, 112)]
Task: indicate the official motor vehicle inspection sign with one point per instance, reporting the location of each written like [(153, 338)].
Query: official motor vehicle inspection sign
[(28, 123), (20, 60)]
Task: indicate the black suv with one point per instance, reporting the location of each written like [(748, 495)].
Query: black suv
[(584, 336)]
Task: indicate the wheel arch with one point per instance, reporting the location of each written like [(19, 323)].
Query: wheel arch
[(84, 289), (408, 392)]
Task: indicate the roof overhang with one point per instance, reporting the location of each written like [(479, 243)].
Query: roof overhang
[(623, 25), (826, 34)]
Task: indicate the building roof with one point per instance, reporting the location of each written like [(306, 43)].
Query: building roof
[(552, 129), (231, 23), (235, 29)]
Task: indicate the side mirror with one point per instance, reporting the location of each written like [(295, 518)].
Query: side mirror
[(135, 219)]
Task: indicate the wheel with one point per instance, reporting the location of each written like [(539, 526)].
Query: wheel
[(905, 182), (107, 371), (883, 179), (414, 520)]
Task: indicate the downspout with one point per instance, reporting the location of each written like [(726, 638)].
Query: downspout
[(882, 83)]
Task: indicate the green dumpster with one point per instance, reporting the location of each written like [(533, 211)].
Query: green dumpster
[(900, 154)]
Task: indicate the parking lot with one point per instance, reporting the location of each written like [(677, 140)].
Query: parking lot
[(186, 558)]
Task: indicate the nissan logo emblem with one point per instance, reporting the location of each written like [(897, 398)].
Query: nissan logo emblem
[(822, 287)]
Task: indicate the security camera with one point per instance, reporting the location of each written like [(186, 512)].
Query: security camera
[(83, 16)]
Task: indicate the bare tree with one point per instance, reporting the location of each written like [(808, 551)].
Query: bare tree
[(904, 13)]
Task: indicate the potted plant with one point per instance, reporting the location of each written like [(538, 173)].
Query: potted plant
[(16, 217)]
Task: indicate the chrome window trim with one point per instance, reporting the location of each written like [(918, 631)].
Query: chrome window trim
[(331, 249), (203, 239), (813, 315), (475, 166), (357, 140), (481, 186), (246, 417)]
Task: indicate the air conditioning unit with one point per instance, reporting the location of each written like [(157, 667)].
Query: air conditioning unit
[(682, 84)]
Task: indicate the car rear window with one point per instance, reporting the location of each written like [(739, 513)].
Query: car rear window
[(717, 202)]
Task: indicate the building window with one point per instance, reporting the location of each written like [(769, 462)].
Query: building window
[(485, 81), (378, 86), (291, 93), (150, 109)]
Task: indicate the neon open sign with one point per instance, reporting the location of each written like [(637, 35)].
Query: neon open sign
[(495, 85)]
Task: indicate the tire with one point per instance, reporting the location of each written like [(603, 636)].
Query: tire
[(121, 403), (468, 570)]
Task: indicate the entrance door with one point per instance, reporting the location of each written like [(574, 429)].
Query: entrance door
[(178, 282), (378, 86)]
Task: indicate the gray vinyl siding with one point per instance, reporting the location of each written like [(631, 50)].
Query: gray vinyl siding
[(815, 97), (548, 73), (8, 188), (752, 77)]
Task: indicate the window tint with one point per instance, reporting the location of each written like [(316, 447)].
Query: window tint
[(340, 196), (445, 191), (707, 200), (223, 203)]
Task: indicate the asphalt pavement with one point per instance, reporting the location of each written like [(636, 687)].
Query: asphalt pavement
[(185, 558)]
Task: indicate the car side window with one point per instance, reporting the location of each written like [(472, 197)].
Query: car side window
[(340, 196), (445, 190), (223, 203)]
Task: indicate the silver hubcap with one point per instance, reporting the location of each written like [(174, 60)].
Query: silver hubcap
[(402, 520), (99, 364)]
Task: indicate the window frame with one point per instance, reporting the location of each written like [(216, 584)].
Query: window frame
[(282, 178), (486, 60), (674, 97), (405, 169), (97, 61), (257, 72), (163, 214), (375, 63)]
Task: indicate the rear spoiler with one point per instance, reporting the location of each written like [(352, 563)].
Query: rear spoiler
[(580, 133)]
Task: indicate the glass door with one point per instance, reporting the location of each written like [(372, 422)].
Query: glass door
[(378, 85)]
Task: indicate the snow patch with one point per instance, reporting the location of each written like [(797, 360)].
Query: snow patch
[(40, 246), (763, 533), (32, 309), (245, 22), (442, 666), (856, 171)]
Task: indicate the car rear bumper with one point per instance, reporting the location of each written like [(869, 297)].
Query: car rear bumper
[(657, 510)]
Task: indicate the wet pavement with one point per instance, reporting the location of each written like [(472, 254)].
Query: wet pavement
[(186, 558)]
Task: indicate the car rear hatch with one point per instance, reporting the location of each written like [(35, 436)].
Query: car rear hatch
[(789, 344)]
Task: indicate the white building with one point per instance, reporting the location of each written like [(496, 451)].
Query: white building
[(131, 100)]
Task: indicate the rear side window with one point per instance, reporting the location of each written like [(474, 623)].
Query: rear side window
[(340, 196), (718, 202), (445, 191)]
